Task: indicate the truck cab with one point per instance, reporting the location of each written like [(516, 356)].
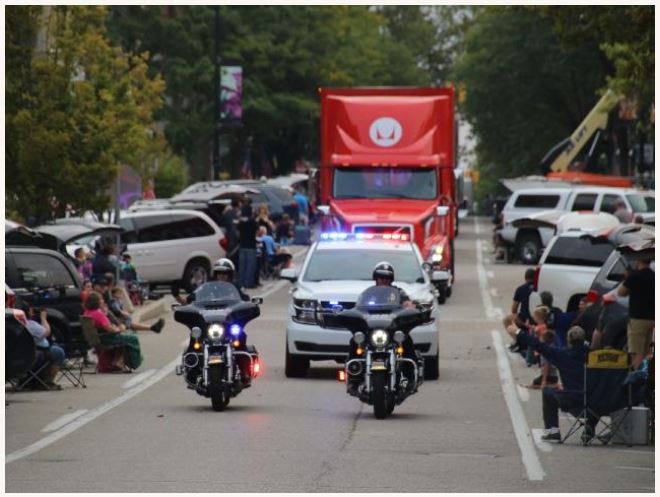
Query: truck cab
[(387, 167)]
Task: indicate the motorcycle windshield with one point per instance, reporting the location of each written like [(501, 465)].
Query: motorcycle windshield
[(217, 291), (379, 298)]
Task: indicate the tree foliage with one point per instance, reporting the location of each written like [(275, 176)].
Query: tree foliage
[(626, 35), (525, 91), (286, 52), (79, 108)]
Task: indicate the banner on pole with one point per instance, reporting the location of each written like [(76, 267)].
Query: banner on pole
[(231, 91)]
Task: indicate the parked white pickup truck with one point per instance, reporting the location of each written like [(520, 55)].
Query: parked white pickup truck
[(528, 243)]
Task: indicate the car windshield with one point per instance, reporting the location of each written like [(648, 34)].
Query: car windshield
[(344, 264), (217, 291), (380, 182), (379, 297), (641, 203)]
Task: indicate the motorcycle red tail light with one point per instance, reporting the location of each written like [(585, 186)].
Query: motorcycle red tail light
[(256, 368)]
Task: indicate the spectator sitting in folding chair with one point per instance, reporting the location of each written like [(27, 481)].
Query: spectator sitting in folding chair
[(570, 363), (276, 256), (46, 352)]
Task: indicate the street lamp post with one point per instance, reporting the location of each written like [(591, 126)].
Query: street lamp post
[(216, 90)]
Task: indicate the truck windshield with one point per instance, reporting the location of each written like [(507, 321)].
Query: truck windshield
[(377, 182)]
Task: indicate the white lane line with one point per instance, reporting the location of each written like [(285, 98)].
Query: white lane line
[(91, 415), (274, 288), (491, 311), (521, 429), (477, 227), (635, 468), (537, 433), (138, 378), (63, 420), (523, 393)]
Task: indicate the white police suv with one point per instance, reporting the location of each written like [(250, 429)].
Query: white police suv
[(335, 271)]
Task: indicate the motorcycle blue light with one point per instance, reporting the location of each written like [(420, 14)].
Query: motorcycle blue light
[(235, 329)]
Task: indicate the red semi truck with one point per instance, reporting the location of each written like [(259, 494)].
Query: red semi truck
[(387, 168)]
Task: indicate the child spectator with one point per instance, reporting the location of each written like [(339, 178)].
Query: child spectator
[(83, 263), (127, 269), (284, 231), (116, 307)]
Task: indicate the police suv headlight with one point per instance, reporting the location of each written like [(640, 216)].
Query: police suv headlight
[(216, 331), (379, 338), (305, 310)]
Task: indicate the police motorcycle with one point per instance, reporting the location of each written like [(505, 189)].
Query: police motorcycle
[(218, 363), (380, 326)]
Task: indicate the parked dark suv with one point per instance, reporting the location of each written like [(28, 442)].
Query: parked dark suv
[(47, 279)]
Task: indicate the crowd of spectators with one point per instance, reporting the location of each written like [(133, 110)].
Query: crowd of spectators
[(559, 341)]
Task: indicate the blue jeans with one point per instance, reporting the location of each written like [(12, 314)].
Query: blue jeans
[(247, 269)]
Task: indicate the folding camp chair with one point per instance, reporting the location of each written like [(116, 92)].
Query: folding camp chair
[(603, 393), (94, 341), (73, 367), (33, 375)]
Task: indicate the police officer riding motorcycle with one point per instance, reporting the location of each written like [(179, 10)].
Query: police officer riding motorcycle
[(218, 363), (383, 367)]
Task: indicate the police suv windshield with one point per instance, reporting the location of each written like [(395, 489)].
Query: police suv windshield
[(357, 264), (217, 291), (381, 182)]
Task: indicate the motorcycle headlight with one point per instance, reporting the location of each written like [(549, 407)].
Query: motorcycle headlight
[(379, 338), (216, 331)]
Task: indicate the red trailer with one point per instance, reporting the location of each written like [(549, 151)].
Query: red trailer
[(387, 167)]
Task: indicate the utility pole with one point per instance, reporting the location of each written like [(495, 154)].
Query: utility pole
[(216, 90)]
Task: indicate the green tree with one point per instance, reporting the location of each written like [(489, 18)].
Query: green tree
[(286, 54), (525, 92), (626, 35), (79, 108)]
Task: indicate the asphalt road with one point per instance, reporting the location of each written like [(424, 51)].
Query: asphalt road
[(473, 430)]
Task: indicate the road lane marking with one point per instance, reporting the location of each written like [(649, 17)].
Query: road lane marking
[(138, 378), (635, 468), (543, 446), (91, 415), (63, 420), (523, 435), (491, 312)]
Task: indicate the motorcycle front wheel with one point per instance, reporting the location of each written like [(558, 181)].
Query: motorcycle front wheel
[(379, 395), (219, 392)]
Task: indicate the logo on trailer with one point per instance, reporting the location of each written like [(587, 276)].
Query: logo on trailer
[(385, 131)]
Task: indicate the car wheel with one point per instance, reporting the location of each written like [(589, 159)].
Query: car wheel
[(196, 273), (432, 367), (295, 366), (528, 247)]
